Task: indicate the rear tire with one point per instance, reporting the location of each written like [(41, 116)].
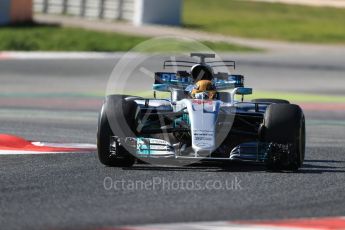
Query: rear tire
[(116, 118), (270, 100), (285, 124)]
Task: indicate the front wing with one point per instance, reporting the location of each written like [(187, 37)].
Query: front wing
[(156, 148)]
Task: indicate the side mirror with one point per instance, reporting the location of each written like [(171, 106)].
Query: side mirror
[(244, 91), (240, 91), (160, 87)]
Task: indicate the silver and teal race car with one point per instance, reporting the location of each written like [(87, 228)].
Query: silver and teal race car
[(200, 122)]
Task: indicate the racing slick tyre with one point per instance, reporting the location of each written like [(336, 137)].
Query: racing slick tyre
[(116, 118), (284, 131), (270, 100)]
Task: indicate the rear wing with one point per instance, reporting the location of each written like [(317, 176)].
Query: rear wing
[(166, 81), (190, 64)]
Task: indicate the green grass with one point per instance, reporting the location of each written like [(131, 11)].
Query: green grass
[(54, 38), (266, 20)]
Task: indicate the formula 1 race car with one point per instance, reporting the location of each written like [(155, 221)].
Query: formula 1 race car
[(201, 121)]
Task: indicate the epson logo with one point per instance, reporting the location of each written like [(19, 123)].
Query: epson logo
[(168, 76)]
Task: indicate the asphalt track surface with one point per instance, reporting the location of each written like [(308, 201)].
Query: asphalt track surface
[(41, 100)]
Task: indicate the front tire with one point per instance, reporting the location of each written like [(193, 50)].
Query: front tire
[(116, 119), (284, 124)]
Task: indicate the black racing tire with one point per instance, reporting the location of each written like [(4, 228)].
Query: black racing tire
[(285, 124), (115, 119), (270, 100)]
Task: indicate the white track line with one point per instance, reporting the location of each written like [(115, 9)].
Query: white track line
[(63, 55), (66, 145), (218, 225), (320, 223), (58, 55), (318, 3)]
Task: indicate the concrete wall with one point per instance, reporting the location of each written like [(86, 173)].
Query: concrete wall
[(167, 12), (138, 11), (107, 9)]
